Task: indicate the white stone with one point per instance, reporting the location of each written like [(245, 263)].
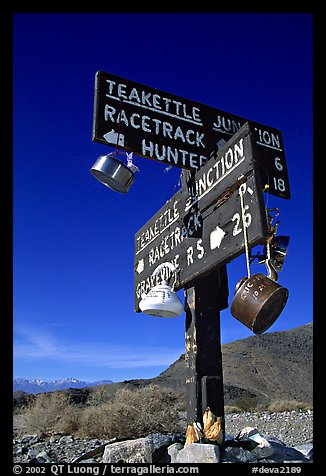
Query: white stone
[(199, 453), (43, 457), (173, 451), (130, 451), (305, 448)]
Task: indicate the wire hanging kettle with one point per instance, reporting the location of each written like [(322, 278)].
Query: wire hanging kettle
[(258, 300)]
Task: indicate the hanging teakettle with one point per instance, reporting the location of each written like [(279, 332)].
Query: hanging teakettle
[(113, 172), (258, 301), (161, 300)]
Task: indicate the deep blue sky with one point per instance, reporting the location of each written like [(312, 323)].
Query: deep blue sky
[(74, 238)]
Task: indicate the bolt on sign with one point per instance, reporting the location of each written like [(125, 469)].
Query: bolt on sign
[(176, 131), (201, 226)]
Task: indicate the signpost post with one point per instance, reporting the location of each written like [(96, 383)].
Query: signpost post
[(203, 356), (206, 224), (199, 230)]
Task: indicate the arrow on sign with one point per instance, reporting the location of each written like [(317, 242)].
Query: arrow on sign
[(140, 266), (112, 138), (216, 237)]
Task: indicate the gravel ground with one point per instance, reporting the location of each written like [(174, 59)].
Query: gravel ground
[(292, 427)]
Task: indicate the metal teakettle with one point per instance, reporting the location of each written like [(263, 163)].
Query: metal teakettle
[(161, 300), (113, 173), (258, 301)]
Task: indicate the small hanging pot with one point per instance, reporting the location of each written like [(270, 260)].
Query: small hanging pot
[(258, 301), (113, 173)]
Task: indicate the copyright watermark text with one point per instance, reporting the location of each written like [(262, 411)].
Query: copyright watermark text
[(103, 469)]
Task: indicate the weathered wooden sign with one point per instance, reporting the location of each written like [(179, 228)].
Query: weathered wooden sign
[(176, 131), (201, 226)]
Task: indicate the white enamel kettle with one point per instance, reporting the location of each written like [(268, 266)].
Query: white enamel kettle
[(161, 300)]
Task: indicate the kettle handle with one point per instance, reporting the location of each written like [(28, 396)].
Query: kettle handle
[(169, 265), (272, 274)]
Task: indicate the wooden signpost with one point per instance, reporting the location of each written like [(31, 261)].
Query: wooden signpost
[(202, 227), (176, 131), (198, 230)]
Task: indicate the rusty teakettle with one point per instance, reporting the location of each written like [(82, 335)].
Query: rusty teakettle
[(259, 300)]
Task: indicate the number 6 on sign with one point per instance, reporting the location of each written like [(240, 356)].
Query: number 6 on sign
[(278, 163)]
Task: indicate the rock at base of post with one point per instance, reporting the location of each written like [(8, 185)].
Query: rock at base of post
[(199, 453)]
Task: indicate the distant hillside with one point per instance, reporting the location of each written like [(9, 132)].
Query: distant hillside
[(275, 365), (270, 366), (267, 367)]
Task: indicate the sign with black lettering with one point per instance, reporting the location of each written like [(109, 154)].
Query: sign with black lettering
[(176, 131), (201, 226)]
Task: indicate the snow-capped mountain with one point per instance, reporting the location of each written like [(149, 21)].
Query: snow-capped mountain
[(41, 386)]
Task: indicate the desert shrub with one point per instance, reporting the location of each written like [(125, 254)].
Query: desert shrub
[(129, 413), (133, 413), (47, 413), (231, 409), (99, 395), (247, 403), (94, 421), (288, 405)]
